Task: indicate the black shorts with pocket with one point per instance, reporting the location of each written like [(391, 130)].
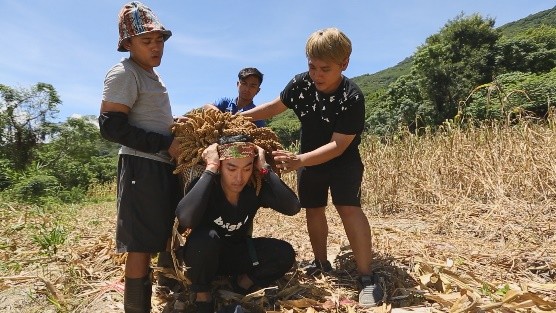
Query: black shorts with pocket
[(343, 180), (148, 193)]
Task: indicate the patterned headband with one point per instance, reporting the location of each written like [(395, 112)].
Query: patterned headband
[(236, 150)]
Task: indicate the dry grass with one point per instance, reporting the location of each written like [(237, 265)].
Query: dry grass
[(479, 202), (463, 221)]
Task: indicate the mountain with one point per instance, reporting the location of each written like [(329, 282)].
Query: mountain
[(375, 85), (546, 17), (371, 83)]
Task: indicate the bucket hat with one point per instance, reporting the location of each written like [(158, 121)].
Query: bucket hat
[(134, 19)]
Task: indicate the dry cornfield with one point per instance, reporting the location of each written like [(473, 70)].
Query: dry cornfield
[(463, 220)]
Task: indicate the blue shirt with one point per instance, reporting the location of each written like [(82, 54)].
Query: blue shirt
[(229, 105)]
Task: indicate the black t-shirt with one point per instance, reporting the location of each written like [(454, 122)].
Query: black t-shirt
[(205, 204), (229, 220), (323, 114)]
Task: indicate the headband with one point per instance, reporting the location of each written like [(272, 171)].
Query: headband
[(236, 150)]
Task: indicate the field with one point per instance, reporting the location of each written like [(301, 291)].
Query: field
[(463, 220)]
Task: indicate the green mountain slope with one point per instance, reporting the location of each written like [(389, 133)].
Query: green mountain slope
[(376, 84), (371, 83), (546, 17)]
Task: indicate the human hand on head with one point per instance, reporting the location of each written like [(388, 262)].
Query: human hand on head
[(260, 160), (211, 158)]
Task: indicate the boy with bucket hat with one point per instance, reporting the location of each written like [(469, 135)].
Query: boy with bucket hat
[(136, 113)]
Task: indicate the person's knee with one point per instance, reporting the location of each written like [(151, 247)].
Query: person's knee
[(349, 211), (319, 212), (201, 246), (287, 255)]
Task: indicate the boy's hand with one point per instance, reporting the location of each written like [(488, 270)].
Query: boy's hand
[(286, 161), (211, 158), (261, 159), (174, 149)]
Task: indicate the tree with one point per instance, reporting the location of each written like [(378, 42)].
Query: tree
[(533, 50), (77, 155), (451, 63), (286, 126), (24, 117), (410, 108)]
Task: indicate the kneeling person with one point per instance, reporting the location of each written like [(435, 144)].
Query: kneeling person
[(219, 209)]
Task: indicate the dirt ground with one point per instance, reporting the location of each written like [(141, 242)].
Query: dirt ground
[(423, 269)]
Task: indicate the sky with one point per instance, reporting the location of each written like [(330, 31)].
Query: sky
[(71, 44)]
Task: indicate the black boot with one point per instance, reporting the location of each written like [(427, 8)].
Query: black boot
[(204, 307), (137, 295), (165, 261)]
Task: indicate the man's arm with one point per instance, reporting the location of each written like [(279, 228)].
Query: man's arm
[(278, 196), (289, 161), (210, 106), (266, 110), (114, 126), (192, 206)]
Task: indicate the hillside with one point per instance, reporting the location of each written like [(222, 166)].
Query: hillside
[(524, 57), (546, 17), (371, 83)]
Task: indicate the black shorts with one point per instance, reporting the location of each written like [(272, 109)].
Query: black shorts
[(343, 180), (148, 194)]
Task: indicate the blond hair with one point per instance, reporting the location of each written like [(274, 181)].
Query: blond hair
[(329, 44)]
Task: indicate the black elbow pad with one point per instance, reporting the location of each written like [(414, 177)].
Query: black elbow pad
[(115, 127)]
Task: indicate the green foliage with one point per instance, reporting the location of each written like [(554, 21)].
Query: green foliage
[(77, 156), (57, 161), (469, 71), (372, 83), (455, 60), (513, 93), (24, 116), (72, 195), (533, 50), (546, 17), (7, 174), (487, 290), (33, 188), (286, 126), (403, 105), (50, 239)]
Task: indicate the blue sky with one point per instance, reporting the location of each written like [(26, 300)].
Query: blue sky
[(71, 44)]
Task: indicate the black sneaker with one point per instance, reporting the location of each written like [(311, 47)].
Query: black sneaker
[(317, 267), (171, 284), (240, 290), (371, 293), (204, 307), (232, 308)]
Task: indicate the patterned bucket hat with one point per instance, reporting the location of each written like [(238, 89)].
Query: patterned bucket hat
[(136, 18)]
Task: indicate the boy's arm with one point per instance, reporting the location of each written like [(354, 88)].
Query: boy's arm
[(192, 207), (266, 110), (337, 145), (114, 126)]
